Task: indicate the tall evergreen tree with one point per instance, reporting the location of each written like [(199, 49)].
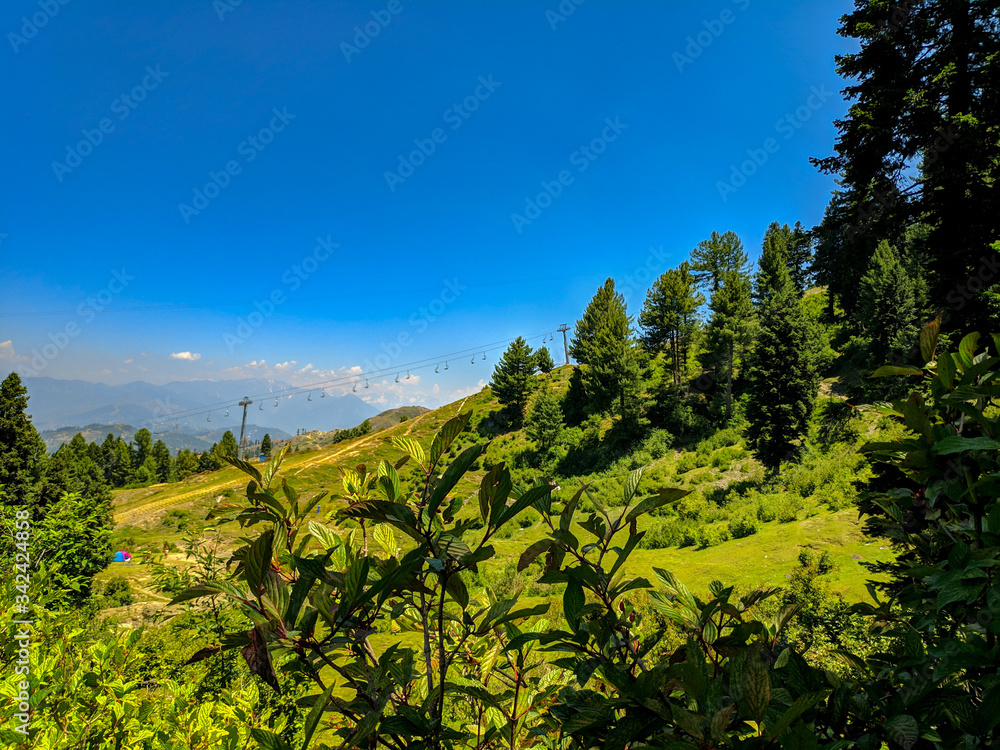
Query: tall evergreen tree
[(732, 324), (228, 446), (782, 376), (924, 102), (544, 422), (543, 359), (143, 444), (22, 450), (160, 454), (888, 305), (669, 317), (513, 378), (716, 255), (185, 464), (265, 445), (800, 256), (611, 377), (575, 402), (586, 328)]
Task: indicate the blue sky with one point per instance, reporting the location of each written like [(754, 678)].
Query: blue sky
[(232, 189)]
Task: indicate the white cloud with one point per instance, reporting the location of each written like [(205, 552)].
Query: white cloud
[(463, 392), (189, 356), (8, 354), (127, 362)]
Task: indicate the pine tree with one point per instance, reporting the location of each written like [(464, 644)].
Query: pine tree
[(265, 445), (669, 317), (586, 328), (544, 422), (923, 100), (22, 450), (732, 324), (888, 304), (716, 255), (228, 446), (613, 368), (574, 403), (800, 255), (543, 360), (513, 378), (143, 442), (782, 377), (209, 460), (773, 262), (185, 464), (161, 457)]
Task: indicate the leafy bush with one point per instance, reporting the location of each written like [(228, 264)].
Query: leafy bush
[(709, 535), (743, 522), (117, 592), (693, 506)]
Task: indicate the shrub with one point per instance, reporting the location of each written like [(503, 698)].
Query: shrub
[(117, 592), (665, 534), (691, 506), (782, 507), (744, 522), (710, 535)]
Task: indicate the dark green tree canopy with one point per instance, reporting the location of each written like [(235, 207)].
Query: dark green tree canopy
[(669, 317), (22, 450), (544, 422), (923, 92), (597, 310), (716, 255), (888, 304), (513, 377), (782, 376), (543, 359), (228, 446)]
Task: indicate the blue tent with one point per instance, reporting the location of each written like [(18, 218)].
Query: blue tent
[(121, 556)]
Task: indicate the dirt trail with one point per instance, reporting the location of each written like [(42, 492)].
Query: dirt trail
[(142, 511)]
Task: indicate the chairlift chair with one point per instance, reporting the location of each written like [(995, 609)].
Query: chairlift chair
[(437, 368), (397, 377), (354, 389), (407, 374), (366, 382)]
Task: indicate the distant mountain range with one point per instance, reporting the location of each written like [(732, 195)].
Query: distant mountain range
[(56, 405)]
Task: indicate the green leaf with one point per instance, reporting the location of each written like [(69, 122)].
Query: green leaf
[(258, 561), (410, 447), (245, 467), (325, 535), (566, 518), (528, 556), (967, 350), (631, 485), (269, 740), (447, 434), (802, 704), (959, 444), (573, 601), (455, 471), (312, 720), (928, 339), (889, 370), (757, 686), (528, 498), (946, 370), (902, 729), (458, 590), (666, 495)]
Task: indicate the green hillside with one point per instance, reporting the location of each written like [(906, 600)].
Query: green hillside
[(148, 518)]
